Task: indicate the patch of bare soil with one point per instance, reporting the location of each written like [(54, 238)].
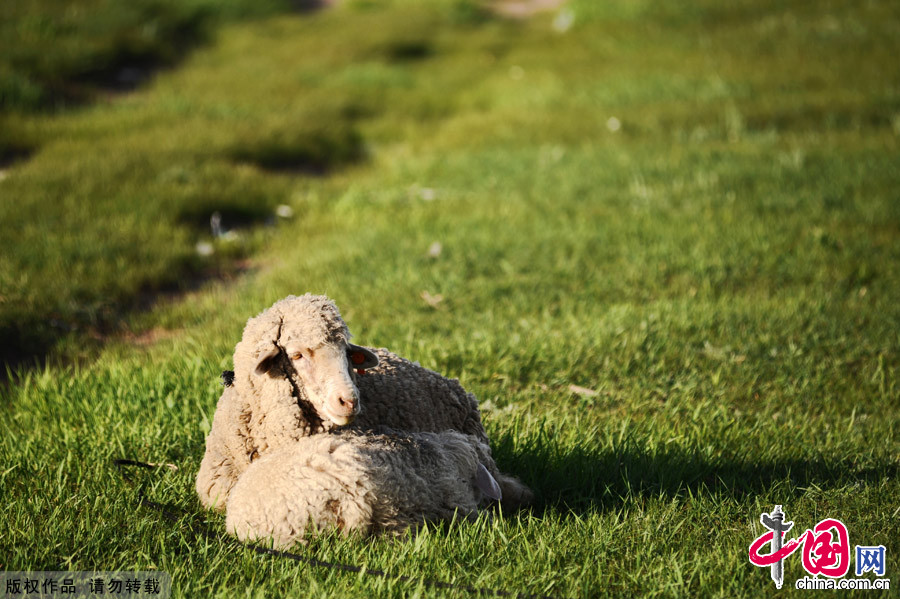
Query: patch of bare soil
[(151, 337), (523, 9)]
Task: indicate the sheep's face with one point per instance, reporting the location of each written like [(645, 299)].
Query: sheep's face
[(324, 373), (305, 339)]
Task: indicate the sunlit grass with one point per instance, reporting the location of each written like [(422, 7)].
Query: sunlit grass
[(718, 266)]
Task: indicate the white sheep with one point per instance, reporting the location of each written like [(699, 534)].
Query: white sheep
[(369, 483), (296, 374)]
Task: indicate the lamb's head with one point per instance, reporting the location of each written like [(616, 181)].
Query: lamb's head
[(305, 340)]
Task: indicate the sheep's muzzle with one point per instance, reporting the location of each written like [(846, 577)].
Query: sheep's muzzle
[(342, 408)]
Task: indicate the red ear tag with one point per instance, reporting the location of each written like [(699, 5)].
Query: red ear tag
[(357, 357), (360, 371)]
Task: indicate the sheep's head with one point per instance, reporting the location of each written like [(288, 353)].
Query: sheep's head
[(306, 340)]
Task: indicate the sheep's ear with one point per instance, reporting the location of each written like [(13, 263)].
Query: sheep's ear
[(265, 359), (361, 358), (487, 484)]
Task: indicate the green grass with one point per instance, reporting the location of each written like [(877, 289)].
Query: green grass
[(58, 53), (722, 270)]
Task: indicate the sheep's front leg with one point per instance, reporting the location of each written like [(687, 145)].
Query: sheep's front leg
[(221, 467), (215, 480)]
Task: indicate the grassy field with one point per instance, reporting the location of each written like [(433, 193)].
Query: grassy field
[(690, 210), (59, 53)]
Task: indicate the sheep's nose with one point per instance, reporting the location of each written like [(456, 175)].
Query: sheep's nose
[(347, 403)]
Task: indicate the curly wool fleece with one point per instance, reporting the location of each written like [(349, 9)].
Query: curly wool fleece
[(263, 412), (369, 483)]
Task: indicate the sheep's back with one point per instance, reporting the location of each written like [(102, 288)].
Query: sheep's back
[(403, 395)]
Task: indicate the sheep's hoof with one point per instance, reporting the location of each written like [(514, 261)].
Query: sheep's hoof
[(516, 496)]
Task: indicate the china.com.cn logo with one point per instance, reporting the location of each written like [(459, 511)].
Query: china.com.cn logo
[(825, 551)]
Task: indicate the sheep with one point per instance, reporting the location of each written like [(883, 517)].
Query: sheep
[(378, 482), (296, 374)]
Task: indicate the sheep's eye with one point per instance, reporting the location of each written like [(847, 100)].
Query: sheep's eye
[(296, 356)]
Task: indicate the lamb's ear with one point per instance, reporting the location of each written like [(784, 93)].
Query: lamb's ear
[(265, 358), (361, 358), (487, 484)]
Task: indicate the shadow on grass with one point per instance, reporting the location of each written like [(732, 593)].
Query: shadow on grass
[(30, 337), (15, 144), (409, 50), (11, 154), (25, 342), (216, 216), (583, 481), (310, 5), (77, 56), (310, 148)]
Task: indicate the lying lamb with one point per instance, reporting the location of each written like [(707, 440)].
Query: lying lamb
[(296, 374), (370, 483)]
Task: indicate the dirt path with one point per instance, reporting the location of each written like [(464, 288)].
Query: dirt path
[(522, 9), (512, 9)]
